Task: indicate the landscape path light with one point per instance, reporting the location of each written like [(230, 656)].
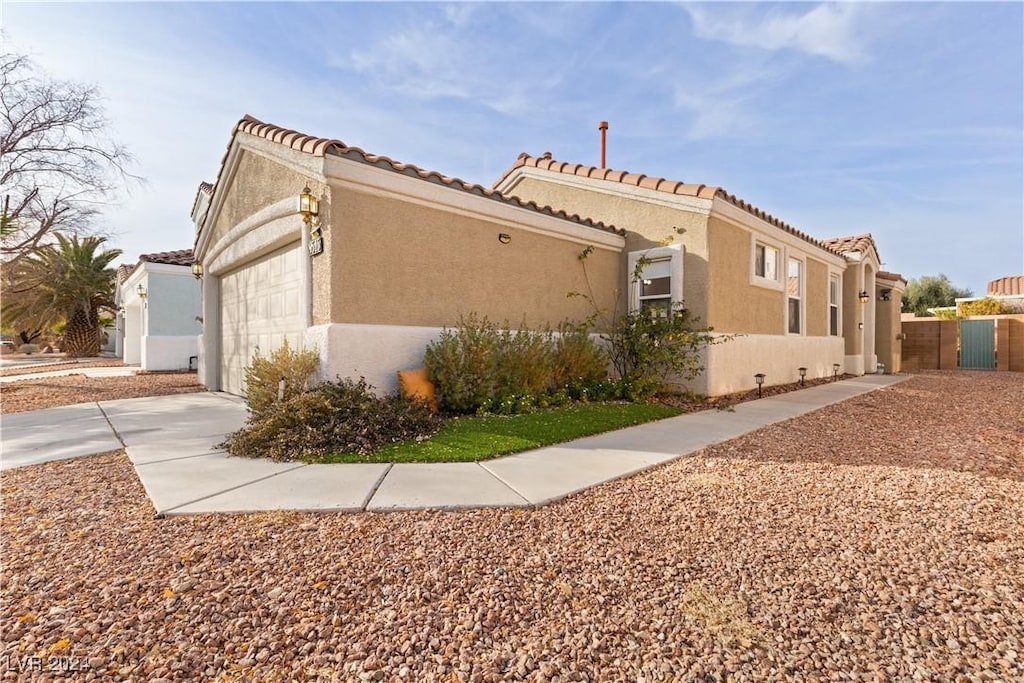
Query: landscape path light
[(803, 373), (759, 378)]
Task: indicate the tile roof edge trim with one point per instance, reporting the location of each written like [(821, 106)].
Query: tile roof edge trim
[(324, 147), (524, 163)]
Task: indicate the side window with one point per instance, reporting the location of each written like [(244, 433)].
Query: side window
[(656, 278), (656, 285), (833, 306), (766, 262), (794, 287)]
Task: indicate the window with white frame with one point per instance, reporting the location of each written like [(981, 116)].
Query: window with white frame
[(833, 305), (656, 279), (766, 262), (794, 286)]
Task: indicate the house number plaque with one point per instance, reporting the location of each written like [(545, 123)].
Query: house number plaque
[(316, 242)]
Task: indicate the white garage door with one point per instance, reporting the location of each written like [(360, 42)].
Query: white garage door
[(259, 310)]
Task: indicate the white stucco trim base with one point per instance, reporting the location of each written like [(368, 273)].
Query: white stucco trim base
[(375, 352), (168, 352), (730, 366)]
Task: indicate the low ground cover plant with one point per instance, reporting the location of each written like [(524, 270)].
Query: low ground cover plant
[(478, 437)]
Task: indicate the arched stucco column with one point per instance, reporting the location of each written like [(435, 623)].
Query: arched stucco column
[(870, 356)]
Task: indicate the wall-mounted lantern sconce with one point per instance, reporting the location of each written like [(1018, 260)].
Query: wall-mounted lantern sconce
[(901, 336), (141, 291), (309, 206), (835, 371), (197, 270), (886, 295), (860, 326), (504, 237), (864, 297), (803, 373), (759, 378)]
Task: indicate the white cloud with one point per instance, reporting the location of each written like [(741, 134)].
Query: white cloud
[(445, 56), (832, 31)]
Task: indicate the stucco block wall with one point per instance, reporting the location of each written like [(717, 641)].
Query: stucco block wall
[(734, 304), (168, 352), (266, 182), (399, 263), (816, 298), (887, 327), (930, 345), (1015, 342), (172, 303), (649, 224)]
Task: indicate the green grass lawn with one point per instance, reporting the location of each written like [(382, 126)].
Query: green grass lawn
[(470, 438)]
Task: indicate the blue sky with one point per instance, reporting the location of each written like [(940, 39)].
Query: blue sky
[(903, 120)]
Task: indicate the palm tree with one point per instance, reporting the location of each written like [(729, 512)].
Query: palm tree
[(68, 281)]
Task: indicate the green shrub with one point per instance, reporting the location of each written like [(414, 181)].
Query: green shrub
[(263, 376), (334, 417), (576, 360), (28, 349), (648, 348), (461, 365), (480, 368), (522, 364)]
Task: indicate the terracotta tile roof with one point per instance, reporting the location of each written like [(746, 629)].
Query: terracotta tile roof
[(181, 257), (845, 245), (676, 187), (124, 271), (1011, 285), (891, 277), (323, 146), (204, 188)]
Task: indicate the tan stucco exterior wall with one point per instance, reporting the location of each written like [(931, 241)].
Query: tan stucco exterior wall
[(398, 263), (888, 325), (266, 182), (853, 280), (648, 224), (735, 305), (816, 298)]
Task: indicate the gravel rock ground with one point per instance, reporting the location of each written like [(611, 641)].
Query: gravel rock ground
[(36, 393), (60, 364), (878, 539)]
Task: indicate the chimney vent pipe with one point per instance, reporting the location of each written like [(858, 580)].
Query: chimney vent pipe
[(603, 127)]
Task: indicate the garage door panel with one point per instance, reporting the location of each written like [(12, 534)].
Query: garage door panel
[(260, 309)]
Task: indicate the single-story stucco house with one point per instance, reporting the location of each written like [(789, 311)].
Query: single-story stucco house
[(396, 253), (792, 300), (158, 312)]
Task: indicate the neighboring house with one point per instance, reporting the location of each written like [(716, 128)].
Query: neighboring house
[(158, 312), (793, 300), (1009, 291), (397, 254)]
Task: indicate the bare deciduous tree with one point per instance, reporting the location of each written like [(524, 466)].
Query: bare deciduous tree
[(57, 164)]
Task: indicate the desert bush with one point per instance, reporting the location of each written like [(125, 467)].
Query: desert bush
[(986, 306), (28, 349), (479, 367), (576, 361), (335, 417), (264, 374), (461, 364)]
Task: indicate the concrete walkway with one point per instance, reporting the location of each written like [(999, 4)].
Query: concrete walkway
[(171, 441)]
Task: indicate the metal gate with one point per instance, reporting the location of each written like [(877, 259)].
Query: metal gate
[(978, 344)]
